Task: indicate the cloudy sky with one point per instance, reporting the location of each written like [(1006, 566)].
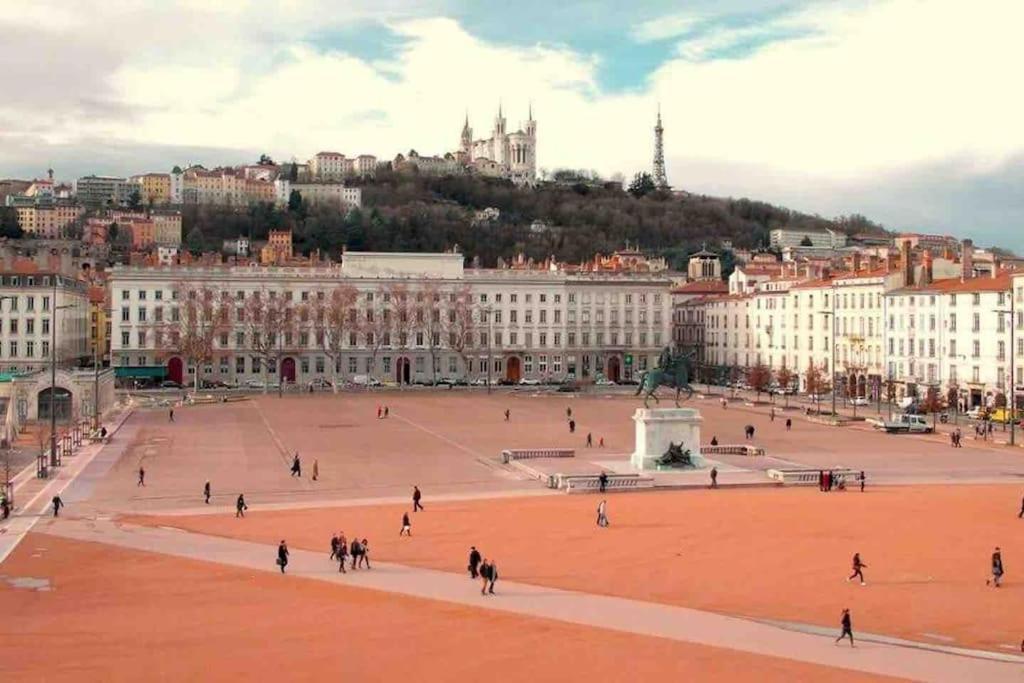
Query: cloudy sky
[(908, 111)]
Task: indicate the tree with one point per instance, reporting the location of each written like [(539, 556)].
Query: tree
[(294, 201), (759, 378), (265, 160), (933, 404), (785, 378), (198, 318), (814, 383), (269, 323), (460, 323), (398, 299), (9, 226), (953, 397), (642, 185), (429, 322), (195, 240), (375, 325), (806, 242), (334, 318), (134, 199)]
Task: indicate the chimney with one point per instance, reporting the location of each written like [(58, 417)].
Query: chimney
[(856, 261), (908, 266), (995, 267), (966, 260), (926, 269)]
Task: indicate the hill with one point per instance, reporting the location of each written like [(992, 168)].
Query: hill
[(404, 212)]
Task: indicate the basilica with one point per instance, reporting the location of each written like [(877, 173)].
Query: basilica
[(504, 154)]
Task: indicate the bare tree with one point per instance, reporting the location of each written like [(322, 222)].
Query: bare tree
[(399, 301), (759, 377), (270, 324), (429, 321), (785, 378), (814, 383), (334, 318), (198, 317), (375, 325), (460, 323)]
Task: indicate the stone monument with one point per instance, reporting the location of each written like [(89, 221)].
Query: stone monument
[(658, 428)]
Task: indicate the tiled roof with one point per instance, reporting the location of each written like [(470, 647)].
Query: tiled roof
[(952, 285), (702, 287)]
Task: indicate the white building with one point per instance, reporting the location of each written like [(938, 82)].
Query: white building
[(408, 310), (328, 166), (514, 153), (318, 193), (167, 256), (27, 304), (780, 238), (177, 187)]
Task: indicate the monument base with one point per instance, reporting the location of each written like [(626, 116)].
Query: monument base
[(656, 428)]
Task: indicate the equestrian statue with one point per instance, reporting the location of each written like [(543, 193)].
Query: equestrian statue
[(672, 371)]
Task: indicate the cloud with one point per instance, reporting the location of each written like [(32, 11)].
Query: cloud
[(791, 103)]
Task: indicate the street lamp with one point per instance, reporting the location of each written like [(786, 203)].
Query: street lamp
[(53, 373), (488, 310), (832, 313), (1012, 311)]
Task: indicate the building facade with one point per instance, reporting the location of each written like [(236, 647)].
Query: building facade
[(514, 153), (28, 304), (102, 191), (318, 193), (413, 318), (780, 238)]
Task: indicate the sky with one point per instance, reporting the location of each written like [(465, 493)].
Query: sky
[(906, 111)]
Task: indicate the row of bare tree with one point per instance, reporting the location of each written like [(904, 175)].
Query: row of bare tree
[(272, 323)]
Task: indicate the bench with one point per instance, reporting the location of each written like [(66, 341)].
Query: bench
[(511, 454), (737, 449), (591, 483), (806, 477)]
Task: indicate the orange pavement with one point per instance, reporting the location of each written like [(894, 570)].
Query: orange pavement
[(779, 554), (120, 615)]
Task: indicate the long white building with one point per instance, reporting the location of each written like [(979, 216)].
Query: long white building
[(403, 314)]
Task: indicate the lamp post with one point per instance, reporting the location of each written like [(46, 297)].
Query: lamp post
[(832, 314), (490, 333), (53, 373), (1012, 311)]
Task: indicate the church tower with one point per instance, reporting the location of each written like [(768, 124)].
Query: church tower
[(660, 180), (466, 141)]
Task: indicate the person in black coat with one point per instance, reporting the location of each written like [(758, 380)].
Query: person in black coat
[(474, 562), (282, 555)]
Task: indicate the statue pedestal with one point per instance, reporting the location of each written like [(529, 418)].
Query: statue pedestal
[(657, 427)]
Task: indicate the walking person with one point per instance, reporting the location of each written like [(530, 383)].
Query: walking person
[(474, 562), (1021, 513), (57, 505), (789, 423), (600, 442), (416, 496), (494, 577), (380, 411), (206, 492), (602, 484), (602, 513), (296, 466), (857, 567), (342, 553), (863, 477), (356, 551), (406, 525), (142, 476), (568, 413), (171, 415), (365, 556), (997, 568), (771, 414), (316, 469), (334, 546), (714, 477), (240, 506), (590, 440), (572, 426), (847, 624), (5, 505), (507, 414), (485, 574), (387, 411), (282, 555)]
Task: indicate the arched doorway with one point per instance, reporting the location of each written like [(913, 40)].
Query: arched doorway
[(614, 369), (288, 370), (402, 370), (61, 404), (176, 370), (513, 369)]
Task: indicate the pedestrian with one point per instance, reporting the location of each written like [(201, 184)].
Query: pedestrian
[(857, 573), (1021, 513), (847, 627), (724, 403), (406, 525), (590, 440), (494, 577), (821, 480), (334, 546), (572, 426), (602, 484), (342, 552), (863, 478), (316, 469), (387, 411), (206, 492), (5, 505), (714, 477), (952, 438), (771, 414), (380, 411), (789, 423), (568, 413), (365, 556), (240, 506), (142, 476), (57, 505), (602, 513), (997, 568), (416, 495), (485, 575), (600, 442), (714, 440), (296, 466), (171, 415), (507, 413), (282, 555), (959, 438), (356, 551), (829, 480), (474, 562)]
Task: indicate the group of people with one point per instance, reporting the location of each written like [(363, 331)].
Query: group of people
[(956, 438), (383, 412), (482, 568), (358, 551), (828, 480), (296, 468)]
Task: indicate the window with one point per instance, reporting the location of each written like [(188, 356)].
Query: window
[(528, 364), (352, 367), (542, 364), (142, 314), (30, 349), (1001, 353), (125, 339), (125, 294), (142, 338), (46, 349), (30, 326), (46, 303), (976, 349), (14, 326), (142, 295), (125, 314), (976, 323), (159, 295), (13, 349), (240, 365)]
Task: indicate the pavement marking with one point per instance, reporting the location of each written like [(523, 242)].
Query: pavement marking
[(477, 457)]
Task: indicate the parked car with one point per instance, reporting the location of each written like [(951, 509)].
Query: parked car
[(170, 384), (859, 401), (913, 424), (976, 413), (480, 382), (529, 382), (366, 381), (1006, 415), (214, 384), (320, 384), (604, 382)]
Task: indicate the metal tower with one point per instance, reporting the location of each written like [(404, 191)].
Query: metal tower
[(660, 180)]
